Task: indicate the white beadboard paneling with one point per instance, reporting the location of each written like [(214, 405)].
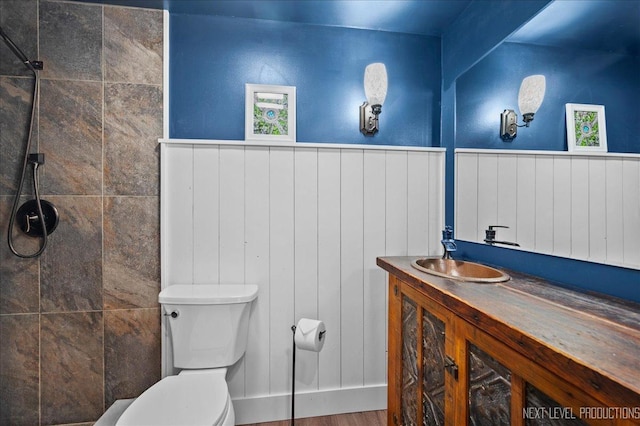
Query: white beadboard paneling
[(329, 302), (418, 203), (178, 228), (562, 206), (231, 215), (436, 203), (375, 290), (614, 211), (577, 205), (507, 198), (281, 265), (305, 223), (231, 234), (256, 269), (526, 187), (466, 227), (631, 209), (580, 207), (597, 211), (487, 194), (206, 210), (544, 205), (396, 203), (351, 272), (306, 257)]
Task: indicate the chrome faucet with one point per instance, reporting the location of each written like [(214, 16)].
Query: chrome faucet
[(447, 242), (490, 236)]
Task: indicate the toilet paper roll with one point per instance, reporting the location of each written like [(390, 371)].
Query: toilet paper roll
[(310, 335)]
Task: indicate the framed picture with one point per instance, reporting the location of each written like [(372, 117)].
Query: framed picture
[(586, 128), (270, 113)]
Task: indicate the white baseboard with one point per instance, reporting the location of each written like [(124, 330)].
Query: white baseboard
[(271, 408)]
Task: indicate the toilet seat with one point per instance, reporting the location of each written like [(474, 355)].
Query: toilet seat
[(195, 398)]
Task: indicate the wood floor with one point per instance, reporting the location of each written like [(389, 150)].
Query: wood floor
[(367, 418)]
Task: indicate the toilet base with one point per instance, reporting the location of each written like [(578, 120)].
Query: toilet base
[(113, 413)]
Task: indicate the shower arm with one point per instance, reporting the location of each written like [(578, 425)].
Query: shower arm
[(31, 65)]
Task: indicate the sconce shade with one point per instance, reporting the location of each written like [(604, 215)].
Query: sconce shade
[(530, 98), (531, 94), (375, 83)]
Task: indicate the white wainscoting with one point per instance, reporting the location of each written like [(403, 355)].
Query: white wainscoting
[(581, 206), (305, 223)]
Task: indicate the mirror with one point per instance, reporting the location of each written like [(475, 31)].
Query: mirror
[(577, 206)]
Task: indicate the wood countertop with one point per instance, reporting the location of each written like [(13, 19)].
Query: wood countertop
[(590, 340)]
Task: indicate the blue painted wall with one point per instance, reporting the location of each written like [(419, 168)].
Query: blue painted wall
[(583, 76), (213, 57)]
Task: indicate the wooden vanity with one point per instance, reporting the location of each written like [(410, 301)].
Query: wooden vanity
[(519, 352)]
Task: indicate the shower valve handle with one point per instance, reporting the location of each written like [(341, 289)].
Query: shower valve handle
[(29, 219)]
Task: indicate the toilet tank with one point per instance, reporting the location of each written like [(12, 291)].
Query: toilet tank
[(208, 323)]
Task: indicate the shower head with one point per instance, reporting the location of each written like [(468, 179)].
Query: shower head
[(31, 65)]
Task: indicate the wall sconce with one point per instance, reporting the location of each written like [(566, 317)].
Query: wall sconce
[(375, 88), (530, 98)]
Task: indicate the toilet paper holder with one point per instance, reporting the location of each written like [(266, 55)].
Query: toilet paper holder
[(321, 335), (293, 329), (309, 334)]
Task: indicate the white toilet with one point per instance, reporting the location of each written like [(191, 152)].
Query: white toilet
[(209, 326)]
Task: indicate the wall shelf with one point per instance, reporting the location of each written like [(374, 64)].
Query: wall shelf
[(283, 144)]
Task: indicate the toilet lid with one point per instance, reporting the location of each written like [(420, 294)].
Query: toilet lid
[(183, 400)]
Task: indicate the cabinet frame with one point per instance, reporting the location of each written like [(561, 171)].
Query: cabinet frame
[(459, 334)]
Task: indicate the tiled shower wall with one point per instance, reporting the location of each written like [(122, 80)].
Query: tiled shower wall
[(79, 327)]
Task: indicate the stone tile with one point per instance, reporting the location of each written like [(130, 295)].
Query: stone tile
[(71, 137), (131, 252), (71, 266), (72, 367), (71, 40), (19, 370), (20, 289), (132, 127), (15, 113), (19, 20), (133, 45), (132, 352)]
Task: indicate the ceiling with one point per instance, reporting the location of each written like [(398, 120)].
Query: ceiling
[(429, 18), (422, 17), (605, 25)]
